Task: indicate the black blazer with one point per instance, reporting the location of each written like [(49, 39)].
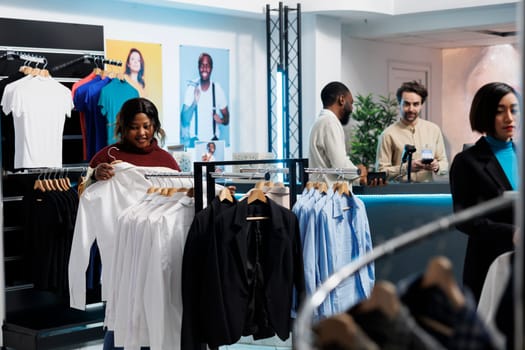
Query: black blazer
[(221, 302), (476, 176)]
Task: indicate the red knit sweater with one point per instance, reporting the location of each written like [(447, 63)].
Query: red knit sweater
[(152, 155)]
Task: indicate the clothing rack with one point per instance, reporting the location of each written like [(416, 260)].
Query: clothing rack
[(53, 170), (265, 170), (88, 58), (251, 173), (169, 174), (24, 56), (295, 167), (354, 173), (302, 328), (248, 176)]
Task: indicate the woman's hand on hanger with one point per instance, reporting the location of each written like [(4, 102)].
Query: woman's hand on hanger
[(104, 171)]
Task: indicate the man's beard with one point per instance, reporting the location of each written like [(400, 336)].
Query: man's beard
[(410, 118), (346, 118)]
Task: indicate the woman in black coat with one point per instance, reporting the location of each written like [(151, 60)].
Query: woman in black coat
[(482, 172)]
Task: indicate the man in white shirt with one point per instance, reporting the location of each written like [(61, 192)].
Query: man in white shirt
[(327, 137)]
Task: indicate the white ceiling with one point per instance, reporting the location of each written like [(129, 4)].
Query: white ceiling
[(475, 26), (490, 22), (461, 37)]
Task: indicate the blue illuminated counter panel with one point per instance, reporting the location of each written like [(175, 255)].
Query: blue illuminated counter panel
[(397, 208)]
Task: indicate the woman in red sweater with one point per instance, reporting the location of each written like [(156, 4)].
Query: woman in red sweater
[(138, 124)]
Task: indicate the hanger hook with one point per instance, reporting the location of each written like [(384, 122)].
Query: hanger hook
[(110, 155)]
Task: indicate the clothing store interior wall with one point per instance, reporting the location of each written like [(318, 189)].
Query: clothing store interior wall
[(446, 45)]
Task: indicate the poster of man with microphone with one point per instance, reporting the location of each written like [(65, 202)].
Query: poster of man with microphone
[(205, 115)]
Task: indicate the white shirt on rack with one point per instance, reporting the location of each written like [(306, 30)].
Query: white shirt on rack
[(147, 306), (98, 211)]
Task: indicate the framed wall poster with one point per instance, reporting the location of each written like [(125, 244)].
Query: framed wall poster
[(141, 66), (204, 111)]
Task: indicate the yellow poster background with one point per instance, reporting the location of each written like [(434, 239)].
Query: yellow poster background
[(152, 56)]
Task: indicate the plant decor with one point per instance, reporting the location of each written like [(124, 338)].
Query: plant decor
[(372, 117)]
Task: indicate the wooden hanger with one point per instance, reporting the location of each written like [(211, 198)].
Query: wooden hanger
[(48, 185), (342, 188), (63, 183), (321, 186), (57, 185), (439, 273), (152, 189), (44, 73), (256, 194), (383, 298), (24, 69), (341, 330), (39, 185), (172, 190), (68, 181), (309, 185), (225, 194), (268, 183)]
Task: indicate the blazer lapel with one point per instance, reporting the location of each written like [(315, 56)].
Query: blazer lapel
[(497, 174), (492, 167), (240, 232)]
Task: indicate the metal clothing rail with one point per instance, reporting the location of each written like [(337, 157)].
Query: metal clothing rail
[(88, 58), (354, 173), (303, 324), (241, 175), (169, 174), (55, 170), (24, 56), (265, 170), (296, 167)]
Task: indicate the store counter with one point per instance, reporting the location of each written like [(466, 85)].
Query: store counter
[(394, 209)]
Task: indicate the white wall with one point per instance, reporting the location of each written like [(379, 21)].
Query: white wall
[(321, 58), (365, 70), (245, 39)]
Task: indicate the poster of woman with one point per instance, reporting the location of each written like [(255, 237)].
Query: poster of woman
[(205, 115), (141, 67)]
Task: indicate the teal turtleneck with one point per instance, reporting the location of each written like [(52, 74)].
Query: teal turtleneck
[(506, 155)]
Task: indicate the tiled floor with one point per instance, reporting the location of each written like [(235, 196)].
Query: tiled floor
[(245, 343), (95, 345)]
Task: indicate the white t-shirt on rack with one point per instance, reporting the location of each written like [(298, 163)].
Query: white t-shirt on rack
[(40, 106)]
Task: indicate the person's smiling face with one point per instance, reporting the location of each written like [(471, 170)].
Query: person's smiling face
[(134, 62), (205, 68), (140, 131), (410, 107)]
